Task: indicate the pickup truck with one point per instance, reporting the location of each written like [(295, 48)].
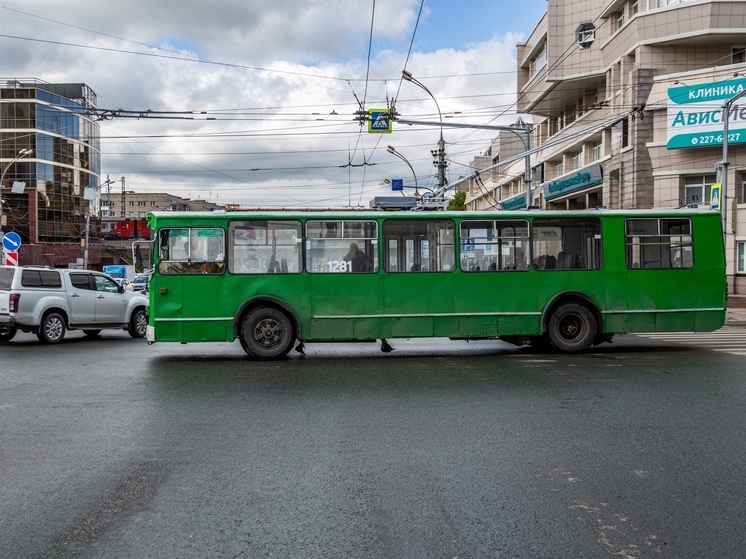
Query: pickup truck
[(48, 302)]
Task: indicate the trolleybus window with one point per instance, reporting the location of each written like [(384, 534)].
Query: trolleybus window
[(659, 243), (419, 245), (341, 246), (265, 247), (195, 250), (490, 245), (567, 244)]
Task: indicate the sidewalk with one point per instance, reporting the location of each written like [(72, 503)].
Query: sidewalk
[(736, 309)]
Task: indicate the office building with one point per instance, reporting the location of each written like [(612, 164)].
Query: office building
[(626, 101)]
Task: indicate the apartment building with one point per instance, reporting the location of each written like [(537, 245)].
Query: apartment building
[(129, 204), (626, 101)]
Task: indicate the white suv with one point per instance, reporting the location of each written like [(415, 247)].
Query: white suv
[(48, 301)]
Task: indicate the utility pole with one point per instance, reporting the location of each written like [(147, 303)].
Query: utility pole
[(87, 238), (123, 199), (439, 161)]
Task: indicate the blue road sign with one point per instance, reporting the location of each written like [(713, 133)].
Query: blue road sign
[(397, 184), (379, 121), (11, 241)]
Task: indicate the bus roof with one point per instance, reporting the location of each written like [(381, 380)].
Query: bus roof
[(373, 214)]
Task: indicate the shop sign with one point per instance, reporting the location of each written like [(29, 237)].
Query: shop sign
[(584, 178)]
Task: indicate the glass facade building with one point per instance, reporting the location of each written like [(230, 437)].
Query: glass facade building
[(62, 176)]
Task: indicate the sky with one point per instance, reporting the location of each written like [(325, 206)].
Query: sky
[(253, 103)]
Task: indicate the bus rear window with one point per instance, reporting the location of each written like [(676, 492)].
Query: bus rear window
[(658, 243)]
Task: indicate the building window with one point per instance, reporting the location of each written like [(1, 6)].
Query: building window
[(620, 134), (141, 203), (697, 189), (539, 61), (586, 34), (634, 7), (576, 160), (663, 3), (596, 150), (619, 20), (559, 168), (741, 264), (738, 55)]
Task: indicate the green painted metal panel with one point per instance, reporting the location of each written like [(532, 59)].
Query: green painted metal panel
[(367, 306)]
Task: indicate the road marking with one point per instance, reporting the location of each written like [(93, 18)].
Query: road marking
[(729, 339)]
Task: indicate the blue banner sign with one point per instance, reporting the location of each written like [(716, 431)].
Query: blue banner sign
[(590, 176), (515, 203)]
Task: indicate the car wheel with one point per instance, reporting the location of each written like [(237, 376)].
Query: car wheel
[(138, 324), (267, 333), (51, 329), (572, 328), (91, 333), (7, 334)]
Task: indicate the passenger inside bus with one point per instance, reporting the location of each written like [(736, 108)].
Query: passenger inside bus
[(357, 258)]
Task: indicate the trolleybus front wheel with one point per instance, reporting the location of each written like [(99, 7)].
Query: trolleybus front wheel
[(267, 333), (572, 328)]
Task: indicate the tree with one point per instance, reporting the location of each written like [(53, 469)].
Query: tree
[(458, 202)]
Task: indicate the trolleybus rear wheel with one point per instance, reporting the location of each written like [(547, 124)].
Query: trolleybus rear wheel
[(572, 328)]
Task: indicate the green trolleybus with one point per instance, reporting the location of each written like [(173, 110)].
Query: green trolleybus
[(564, 279)]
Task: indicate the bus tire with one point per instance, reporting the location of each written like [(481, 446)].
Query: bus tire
[(572, 328), (267, 333), (138, 324), (7, 334), (51, 329)]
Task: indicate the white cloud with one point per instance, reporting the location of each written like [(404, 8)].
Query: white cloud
[(283, 134)]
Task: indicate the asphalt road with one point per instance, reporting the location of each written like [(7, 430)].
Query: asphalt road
[(114, 449)]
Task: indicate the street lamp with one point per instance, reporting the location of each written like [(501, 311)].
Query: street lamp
[(440, 153), (22, 153), (392, 151)]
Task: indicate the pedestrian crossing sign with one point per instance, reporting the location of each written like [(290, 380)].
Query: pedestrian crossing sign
[(715, 195), (379, 121)]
